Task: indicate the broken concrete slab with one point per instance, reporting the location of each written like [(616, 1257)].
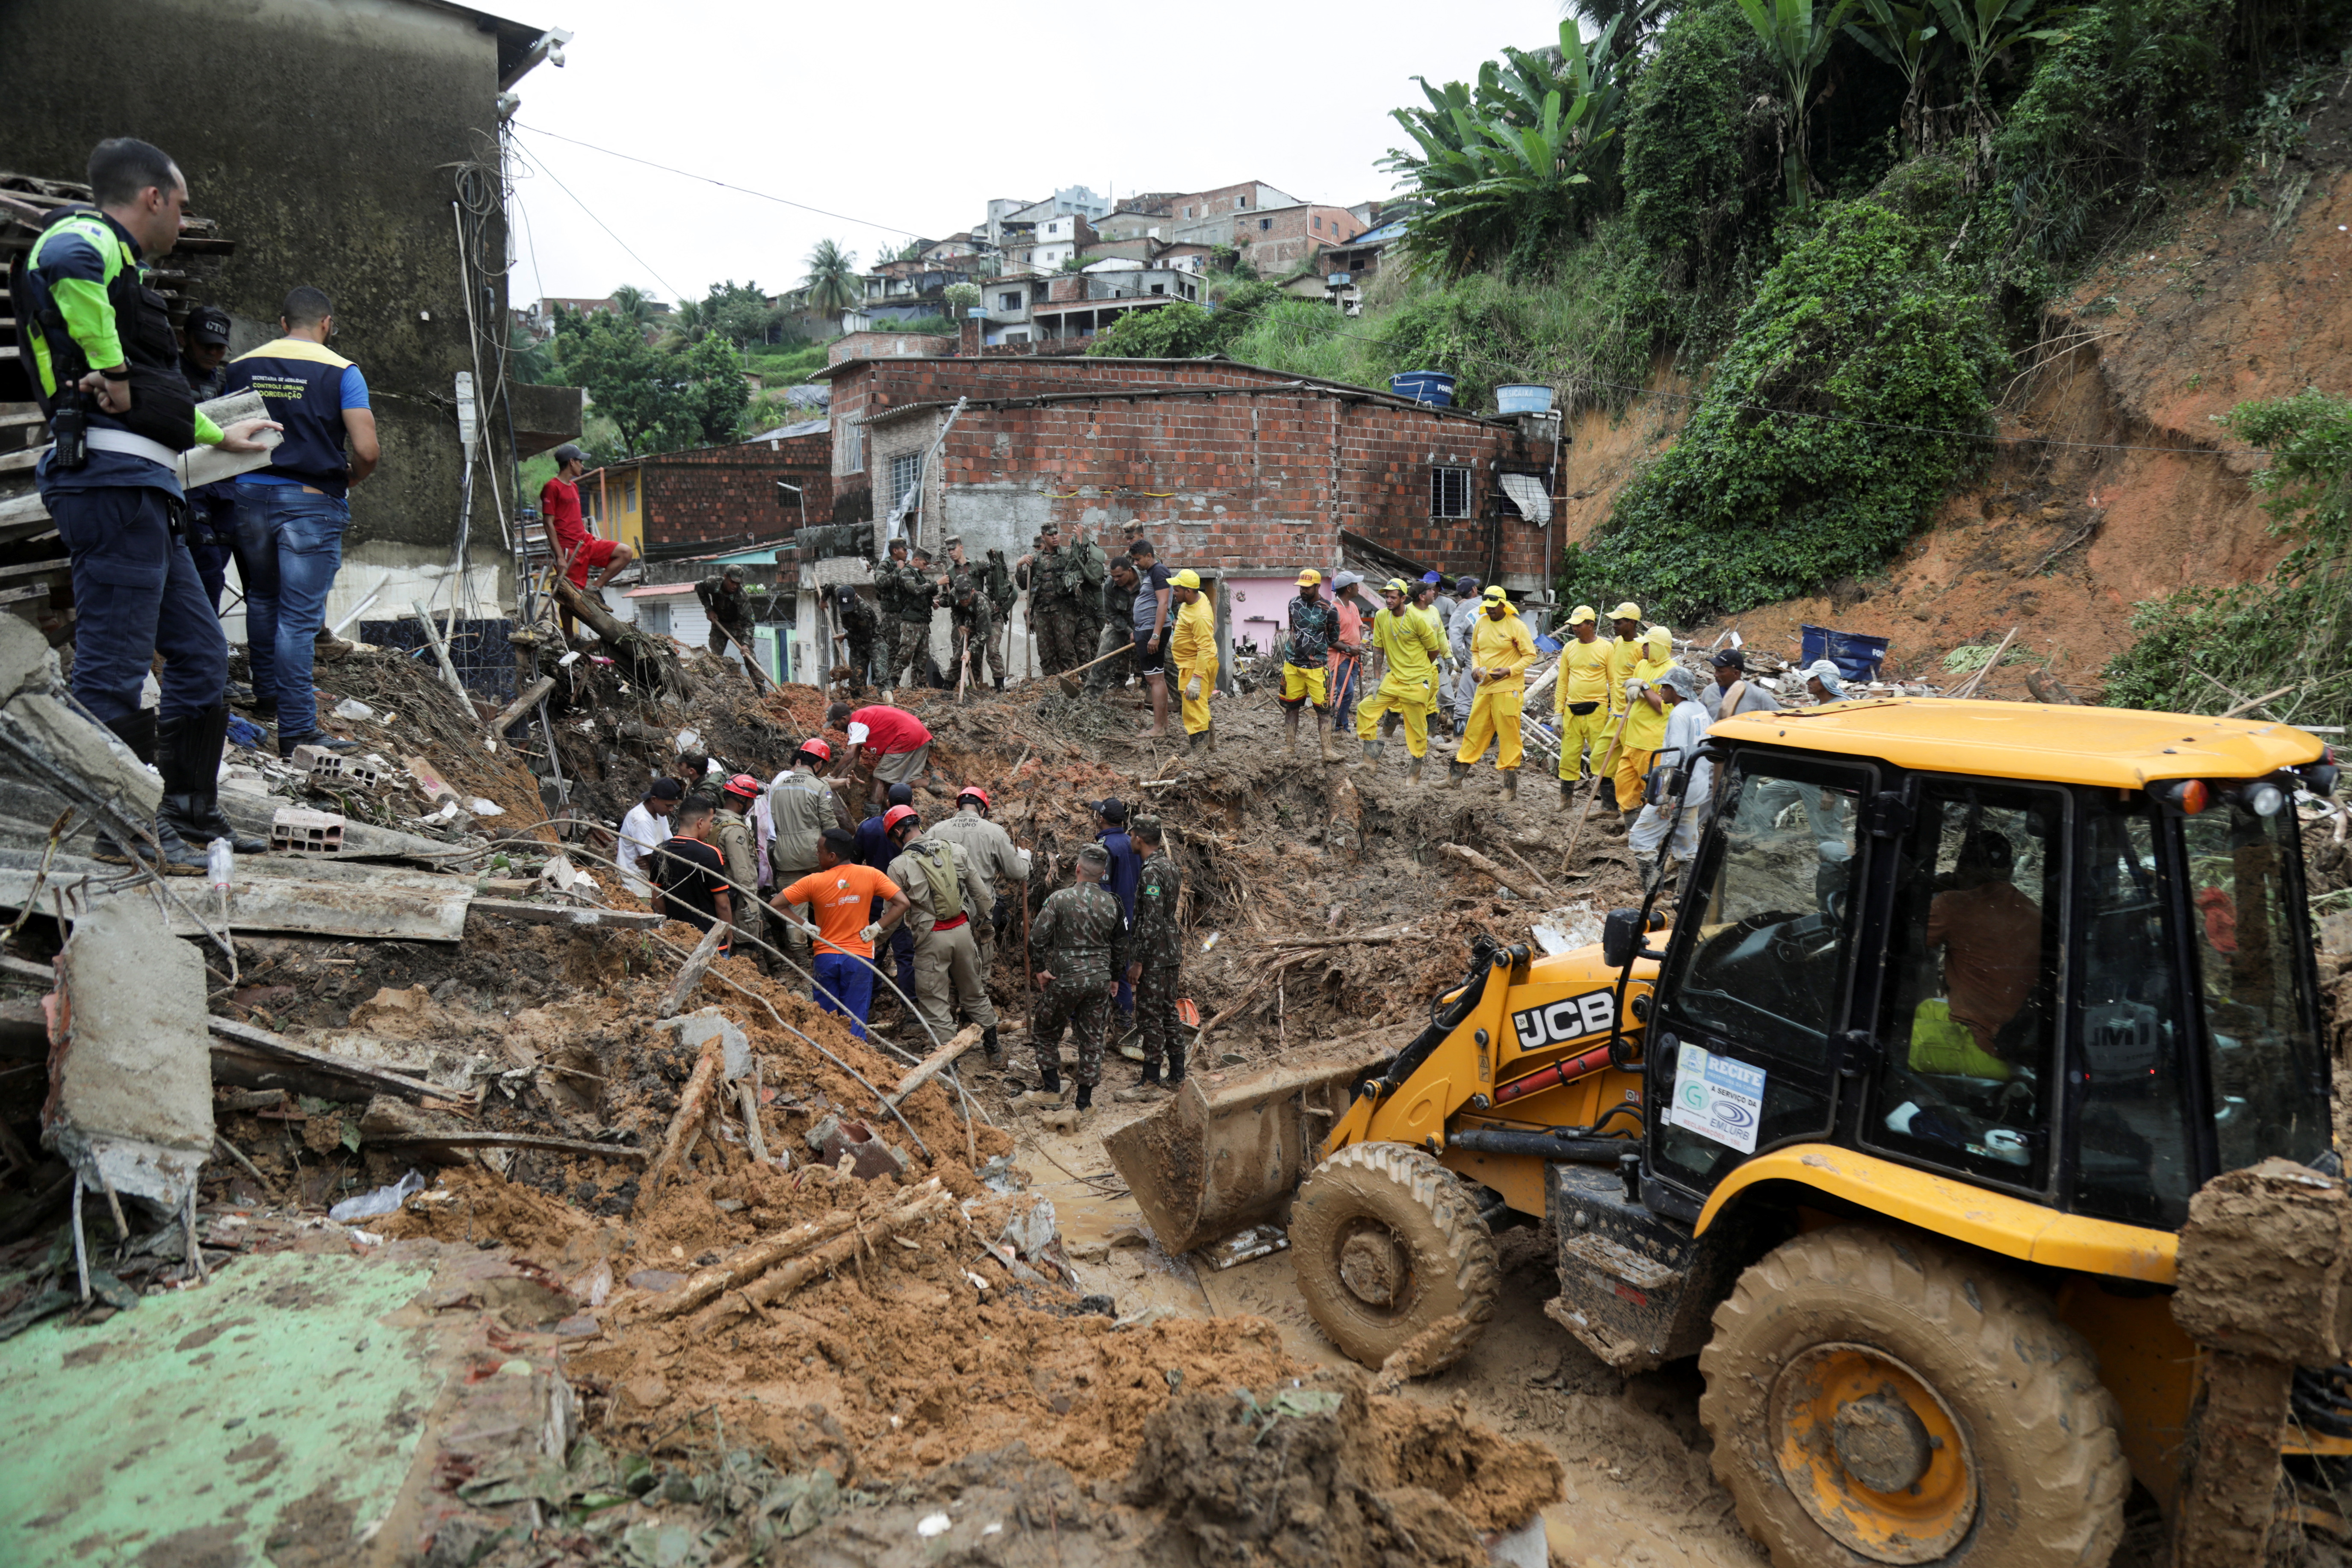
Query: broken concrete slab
[(566, 914), (392, 911), (86, 754), (694, 1028), (253, 813), (131, 1087), (252, 1057)]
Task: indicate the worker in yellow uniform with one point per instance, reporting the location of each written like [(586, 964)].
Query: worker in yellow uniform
[(1581, 697), (1411, 645), (1645, 722), (1192, 657), (1624, 652), (1501, 648)]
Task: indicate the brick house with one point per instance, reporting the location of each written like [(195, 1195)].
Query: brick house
[(707, 499), (1246, 475), (1278, 238)]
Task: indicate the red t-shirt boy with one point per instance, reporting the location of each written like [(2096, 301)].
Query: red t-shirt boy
[(559, 503)]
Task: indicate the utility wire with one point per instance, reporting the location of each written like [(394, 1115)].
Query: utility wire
[(725, 185), (541, 167)]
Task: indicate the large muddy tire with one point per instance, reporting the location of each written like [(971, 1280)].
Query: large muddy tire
[(1875, 1399), (1388, 1245)]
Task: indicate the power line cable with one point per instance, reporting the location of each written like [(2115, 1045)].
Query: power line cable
[(676, 293), (727, 186)]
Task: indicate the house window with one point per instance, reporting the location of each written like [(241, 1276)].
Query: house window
[(1159, 288), (1021, 337), (1319, 225), (1449, 492), (850, 450), (653, 619), (1010, 301), (906, 473), (1265, 225)]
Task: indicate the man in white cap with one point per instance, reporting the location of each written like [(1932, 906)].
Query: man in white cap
[(1823, 682), (1672, 827), (1347, 658)]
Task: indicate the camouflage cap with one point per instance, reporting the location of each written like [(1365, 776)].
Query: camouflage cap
[(1093, 854)]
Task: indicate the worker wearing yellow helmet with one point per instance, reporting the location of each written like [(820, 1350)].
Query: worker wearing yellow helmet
[(1625, 648), (1501, 648), (1411, 645), (1645, 720), (1313, 628), (1193, 656), (1580, 699)]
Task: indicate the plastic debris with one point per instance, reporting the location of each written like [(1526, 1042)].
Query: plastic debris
[(933, 1524), (352, 707), (383, 1201)]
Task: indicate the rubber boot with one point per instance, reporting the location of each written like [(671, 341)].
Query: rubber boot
[(1454, 773), (1050, 1081), (1511, 783), (1290, 731), (1085, 1097), (1175, 1077), (988, 1044), (1412, 774), (1210, 734), (1192, 741), (1372, 750), (138, 732), (1331, 752), (1151, 1074), (1567, 794), (1388, 722), (188, 755), (1630, 818)]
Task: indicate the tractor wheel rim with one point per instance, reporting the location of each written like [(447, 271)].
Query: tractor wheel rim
[(1873, 1453), (1372, 1267)]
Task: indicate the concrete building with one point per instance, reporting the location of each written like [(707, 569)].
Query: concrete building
[(669, 505), (329, 143), (1278, 239), (1083, 305), (1207, 218), (1058, 241), (1245, 474)]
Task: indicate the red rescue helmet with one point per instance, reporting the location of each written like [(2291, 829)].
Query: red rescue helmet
[(814, 747), (745, 785), (896, 815), (972, 791)]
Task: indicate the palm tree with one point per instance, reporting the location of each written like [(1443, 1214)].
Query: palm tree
[(633, 303), (1796, 36), (831, 281)]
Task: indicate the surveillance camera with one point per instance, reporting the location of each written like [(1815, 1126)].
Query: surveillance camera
[(508, 103), (555, 57)]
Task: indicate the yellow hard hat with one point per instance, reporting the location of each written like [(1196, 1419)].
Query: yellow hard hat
[(1628, 611), (1582, 613), (1495, 595), (1310, 578), (1659, 637), (1187, 578), (1396, 585)]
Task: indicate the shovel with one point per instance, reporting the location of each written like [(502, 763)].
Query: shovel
[(1070, 677)]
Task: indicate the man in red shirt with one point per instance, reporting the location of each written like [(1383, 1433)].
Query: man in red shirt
[(900, 746), (840, 894), (567, 529)]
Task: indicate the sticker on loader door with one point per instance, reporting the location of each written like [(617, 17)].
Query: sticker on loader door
[(1717, 1098)]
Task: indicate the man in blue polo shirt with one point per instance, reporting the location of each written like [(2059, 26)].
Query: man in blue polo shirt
[(291, 515)]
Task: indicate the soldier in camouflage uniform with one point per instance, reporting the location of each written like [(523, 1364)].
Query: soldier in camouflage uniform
[(1053, 607), (1076, 938), (920, 582), (971, 613), (860, 626), (1089, 572), (1002, 593), (889, 600), (1155, 955)]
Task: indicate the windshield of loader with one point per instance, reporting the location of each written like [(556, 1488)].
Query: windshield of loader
[(2268, 1083)]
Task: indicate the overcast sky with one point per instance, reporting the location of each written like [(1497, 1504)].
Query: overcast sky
[(906, 118)]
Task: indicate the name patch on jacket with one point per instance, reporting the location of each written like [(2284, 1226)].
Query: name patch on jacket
[(1571, 1018)]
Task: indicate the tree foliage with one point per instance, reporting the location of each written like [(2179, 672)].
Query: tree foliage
[(832, 279), (1796, 36), (1835, 421), (1506, 170), (659, 398), (738, 312), (1700, 165)]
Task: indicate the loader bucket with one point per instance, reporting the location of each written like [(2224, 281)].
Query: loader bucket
[(1230, 1148)]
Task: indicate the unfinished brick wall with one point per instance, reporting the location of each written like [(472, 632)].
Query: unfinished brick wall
[(713, 496), (1263, 477)]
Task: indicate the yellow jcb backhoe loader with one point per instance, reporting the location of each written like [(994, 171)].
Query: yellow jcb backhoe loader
[(1895, 1129)]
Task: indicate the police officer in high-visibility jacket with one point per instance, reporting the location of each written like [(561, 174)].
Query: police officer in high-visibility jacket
[(106, 370), (1501, 648), (1411, 645), (1581, 697)]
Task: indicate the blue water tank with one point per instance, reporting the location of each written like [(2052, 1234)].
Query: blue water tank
[(1433, 387)]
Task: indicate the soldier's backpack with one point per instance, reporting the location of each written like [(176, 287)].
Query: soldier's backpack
[(939, 872)]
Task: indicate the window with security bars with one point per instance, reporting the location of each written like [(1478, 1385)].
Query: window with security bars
[(1449, 492), (906, 473)]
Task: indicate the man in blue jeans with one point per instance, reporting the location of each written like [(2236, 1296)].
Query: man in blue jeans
[(291, 515), (841, 894)]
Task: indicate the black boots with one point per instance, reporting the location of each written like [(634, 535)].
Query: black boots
[(1511, 782), (188, 755), (1151, 1074), (177, 859), (988, 1044), (999, 683), (1085, 1097), (1454, 773), (1050, 1081), (1175, 1077), (1567, 794)]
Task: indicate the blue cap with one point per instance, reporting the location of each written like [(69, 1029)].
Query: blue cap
[(1436, 577)]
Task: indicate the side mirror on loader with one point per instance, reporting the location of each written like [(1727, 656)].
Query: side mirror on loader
[(1621, 938)]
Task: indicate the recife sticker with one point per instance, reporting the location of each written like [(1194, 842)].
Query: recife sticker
[(1717, 1098)]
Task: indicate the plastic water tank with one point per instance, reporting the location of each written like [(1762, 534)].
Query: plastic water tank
[(1521, 398), (1433, 387)]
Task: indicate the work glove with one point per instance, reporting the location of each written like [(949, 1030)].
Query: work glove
[(871, 933), (1193, 689)]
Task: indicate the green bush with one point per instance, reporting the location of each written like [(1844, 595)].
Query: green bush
[(1700, 180), (1864, 323)]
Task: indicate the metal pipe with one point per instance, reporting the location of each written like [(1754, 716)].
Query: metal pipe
[(1541, 1145)]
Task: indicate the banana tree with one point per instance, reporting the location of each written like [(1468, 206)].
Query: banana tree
[(1796, 36), (1907, 37), (1984, 30)]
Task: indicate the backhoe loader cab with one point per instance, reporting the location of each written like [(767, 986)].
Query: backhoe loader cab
[(1895, 1129)]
